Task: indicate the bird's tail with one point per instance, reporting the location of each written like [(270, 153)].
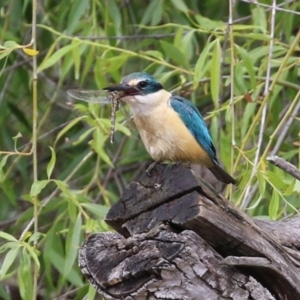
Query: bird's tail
[(222, 175)]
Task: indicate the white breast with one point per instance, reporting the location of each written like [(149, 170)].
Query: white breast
[(163, 133)]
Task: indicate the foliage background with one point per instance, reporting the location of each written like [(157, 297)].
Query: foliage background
[(58, 172)]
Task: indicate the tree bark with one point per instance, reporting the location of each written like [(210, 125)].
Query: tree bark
[(180, 239)]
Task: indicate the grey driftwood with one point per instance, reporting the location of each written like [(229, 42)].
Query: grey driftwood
[(177, 238)]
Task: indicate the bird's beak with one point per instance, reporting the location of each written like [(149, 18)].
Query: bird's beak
[(125, 90)]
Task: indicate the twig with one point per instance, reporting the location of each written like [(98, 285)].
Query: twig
[(265, 108), (243, 19), (126, 37), (284, 165), (272, 7), (232, 69), (34, 139), (45, 201), (285, 127)]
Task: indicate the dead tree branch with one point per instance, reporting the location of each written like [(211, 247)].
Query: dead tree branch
[(179, 239)]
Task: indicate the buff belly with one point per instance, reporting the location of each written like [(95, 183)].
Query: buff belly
[(166, 137)]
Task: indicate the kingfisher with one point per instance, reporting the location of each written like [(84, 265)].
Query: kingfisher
[(170, 126)]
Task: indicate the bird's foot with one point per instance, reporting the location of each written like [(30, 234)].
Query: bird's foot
[(185, 164), (151, 167)]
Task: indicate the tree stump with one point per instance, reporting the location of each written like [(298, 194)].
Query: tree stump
[(180, 239)]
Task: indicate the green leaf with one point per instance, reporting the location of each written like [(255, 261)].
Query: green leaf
[(8, 260), (115, 63), (51, 163), (248, 64), (209, 24), (247, 117), (257, 202), (291, 188), (72, 210), (115, 14), (274, 205), (55, 57), (239, 80), (152, 13), (68, 127), (77, 9), (216, 73), (2, 164), (72, 245), (255, 36), (297, 186), (275, 180), (33, 252), (37, 186), (261, 183), (177, 42), (65, 190), (83, 136), (35, 237), (174, 54), (7, 237), (123, 129), (91, 293), (25, 276), (249, 28), (118, 127), (180, 5), (76, 59), (58, 261), (259, 18), (97, 209), (154, 53), (11, 45), (201, 62), (187, 47), (5, 53), (98, 145), (9, 245)]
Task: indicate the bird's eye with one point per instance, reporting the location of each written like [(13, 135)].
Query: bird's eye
[(142, 84)]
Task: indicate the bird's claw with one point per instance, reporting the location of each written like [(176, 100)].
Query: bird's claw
[(150, 168)]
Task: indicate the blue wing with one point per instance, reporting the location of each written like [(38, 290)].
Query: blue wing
[(193, 120)]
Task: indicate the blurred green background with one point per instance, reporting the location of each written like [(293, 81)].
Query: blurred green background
[(57, 166)]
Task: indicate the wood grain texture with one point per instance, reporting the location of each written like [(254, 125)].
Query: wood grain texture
[(183, 240)]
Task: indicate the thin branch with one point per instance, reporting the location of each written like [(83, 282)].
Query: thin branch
[(265, 108), (232, 71), (284, 127), (243, 19), (125, 37), (276, 7), (45, 201), (34, 139), (284, 165)]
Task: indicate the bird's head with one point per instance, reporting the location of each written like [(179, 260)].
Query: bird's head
[(137, 89)]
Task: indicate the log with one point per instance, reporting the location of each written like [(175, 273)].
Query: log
[(177, 238)]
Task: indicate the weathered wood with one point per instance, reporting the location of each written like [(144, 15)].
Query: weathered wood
[(284, 165), (163, 265), (205, 232)]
